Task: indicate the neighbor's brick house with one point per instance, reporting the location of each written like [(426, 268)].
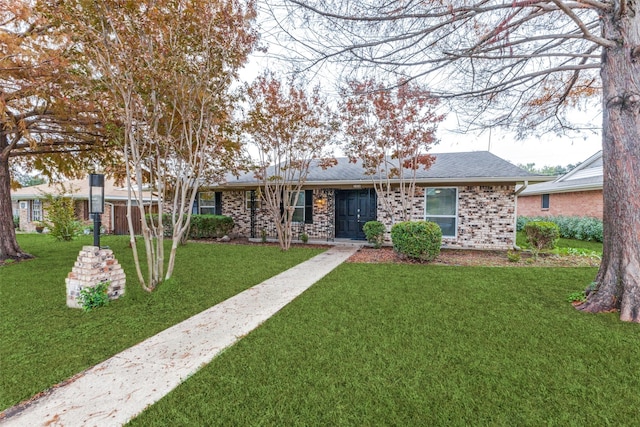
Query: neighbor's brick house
[(28, 203), (577, 193), (472, 196)]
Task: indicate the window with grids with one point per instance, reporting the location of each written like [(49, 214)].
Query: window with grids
[(36, 210), (207, 203), (298, 205), (247, 200), (441, 207)]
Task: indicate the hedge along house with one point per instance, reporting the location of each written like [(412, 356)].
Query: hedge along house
[(472, 196), (30, 206), (577, 193)]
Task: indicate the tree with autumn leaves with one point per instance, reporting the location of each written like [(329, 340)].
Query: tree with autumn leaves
[(291, 131), (49, 120), (391, 132), (167, 68), (138, 89)]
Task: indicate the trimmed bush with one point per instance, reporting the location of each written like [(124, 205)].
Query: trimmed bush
[(571, 227), (417, 239), (210, 226), (541, 235), (374, 230), (202, 226)]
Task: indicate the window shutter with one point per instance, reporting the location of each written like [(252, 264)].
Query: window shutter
[(308, 206), (218, 202), (195, 210)]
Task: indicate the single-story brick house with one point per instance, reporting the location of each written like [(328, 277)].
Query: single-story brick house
[(472, 196), (28, 204), (577, 193)]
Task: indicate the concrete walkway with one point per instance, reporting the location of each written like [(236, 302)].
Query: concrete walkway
[(116, 390)]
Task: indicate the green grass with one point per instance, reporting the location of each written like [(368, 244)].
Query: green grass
[(422, 345), (43, 342), (564, 243)]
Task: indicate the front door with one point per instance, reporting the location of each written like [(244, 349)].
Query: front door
[(353, 209)]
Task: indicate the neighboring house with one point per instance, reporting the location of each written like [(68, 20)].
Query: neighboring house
[(577, 193), (29, 204), (472, 196)]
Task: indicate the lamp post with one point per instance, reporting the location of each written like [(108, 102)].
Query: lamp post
[(96, 203)]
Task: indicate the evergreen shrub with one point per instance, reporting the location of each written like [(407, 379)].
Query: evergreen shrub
[(202, 226), (571, 227), (374, 230), (417, 239), (541, 235)]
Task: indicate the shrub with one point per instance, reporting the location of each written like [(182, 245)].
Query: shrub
[(61, 218), (571, 227), (16, 221), (210, 226), (202, 226), (417, 239), (374, 230), (513, 256), (94, 297), (541, 235)]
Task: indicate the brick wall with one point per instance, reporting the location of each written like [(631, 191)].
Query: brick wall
[(578, 203), (234, 205), (486, 216)]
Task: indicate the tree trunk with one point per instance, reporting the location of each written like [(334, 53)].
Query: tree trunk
[(9, 247), (618, 280)]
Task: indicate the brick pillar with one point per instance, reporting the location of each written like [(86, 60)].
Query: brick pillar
[(94, 266)]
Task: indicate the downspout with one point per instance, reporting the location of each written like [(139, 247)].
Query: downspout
[(515, 228)]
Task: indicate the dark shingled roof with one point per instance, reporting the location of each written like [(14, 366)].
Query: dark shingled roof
[(448, 167)]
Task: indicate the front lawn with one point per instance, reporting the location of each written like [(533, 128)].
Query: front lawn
[(387, 344), (43, 342)]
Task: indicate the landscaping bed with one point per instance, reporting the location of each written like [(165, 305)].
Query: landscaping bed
[(466, 257)]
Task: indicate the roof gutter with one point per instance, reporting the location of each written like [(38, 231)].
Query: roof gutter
[(521, 189)]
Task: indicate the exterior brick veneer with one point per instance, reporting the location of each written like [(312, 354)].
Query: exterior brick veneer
[(578, 203), (233, 205), (94, 266), (486, 216)]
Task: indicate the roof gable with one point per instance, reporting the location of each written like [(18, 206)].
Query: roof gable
[(586, 176)]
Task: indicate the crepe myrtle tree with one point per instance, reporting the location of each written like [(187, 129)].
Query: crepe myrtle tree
[(391, 132), (526, 65), (169, 66), (291, 131)]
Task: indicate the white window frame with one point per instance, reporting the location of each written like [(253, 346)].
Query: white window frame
[(212, 200), (297, 206), (36, 214), (454, 216)]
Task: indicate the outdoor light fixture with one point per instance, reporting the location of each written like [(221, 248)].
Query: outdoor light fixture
[(96, 203)]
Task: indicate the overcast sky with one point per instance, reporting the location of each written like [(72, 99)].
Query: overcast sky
[(546, 151)]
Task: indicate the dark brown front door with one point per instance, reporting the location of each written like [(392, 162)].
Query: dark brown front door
[(353, 209)]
